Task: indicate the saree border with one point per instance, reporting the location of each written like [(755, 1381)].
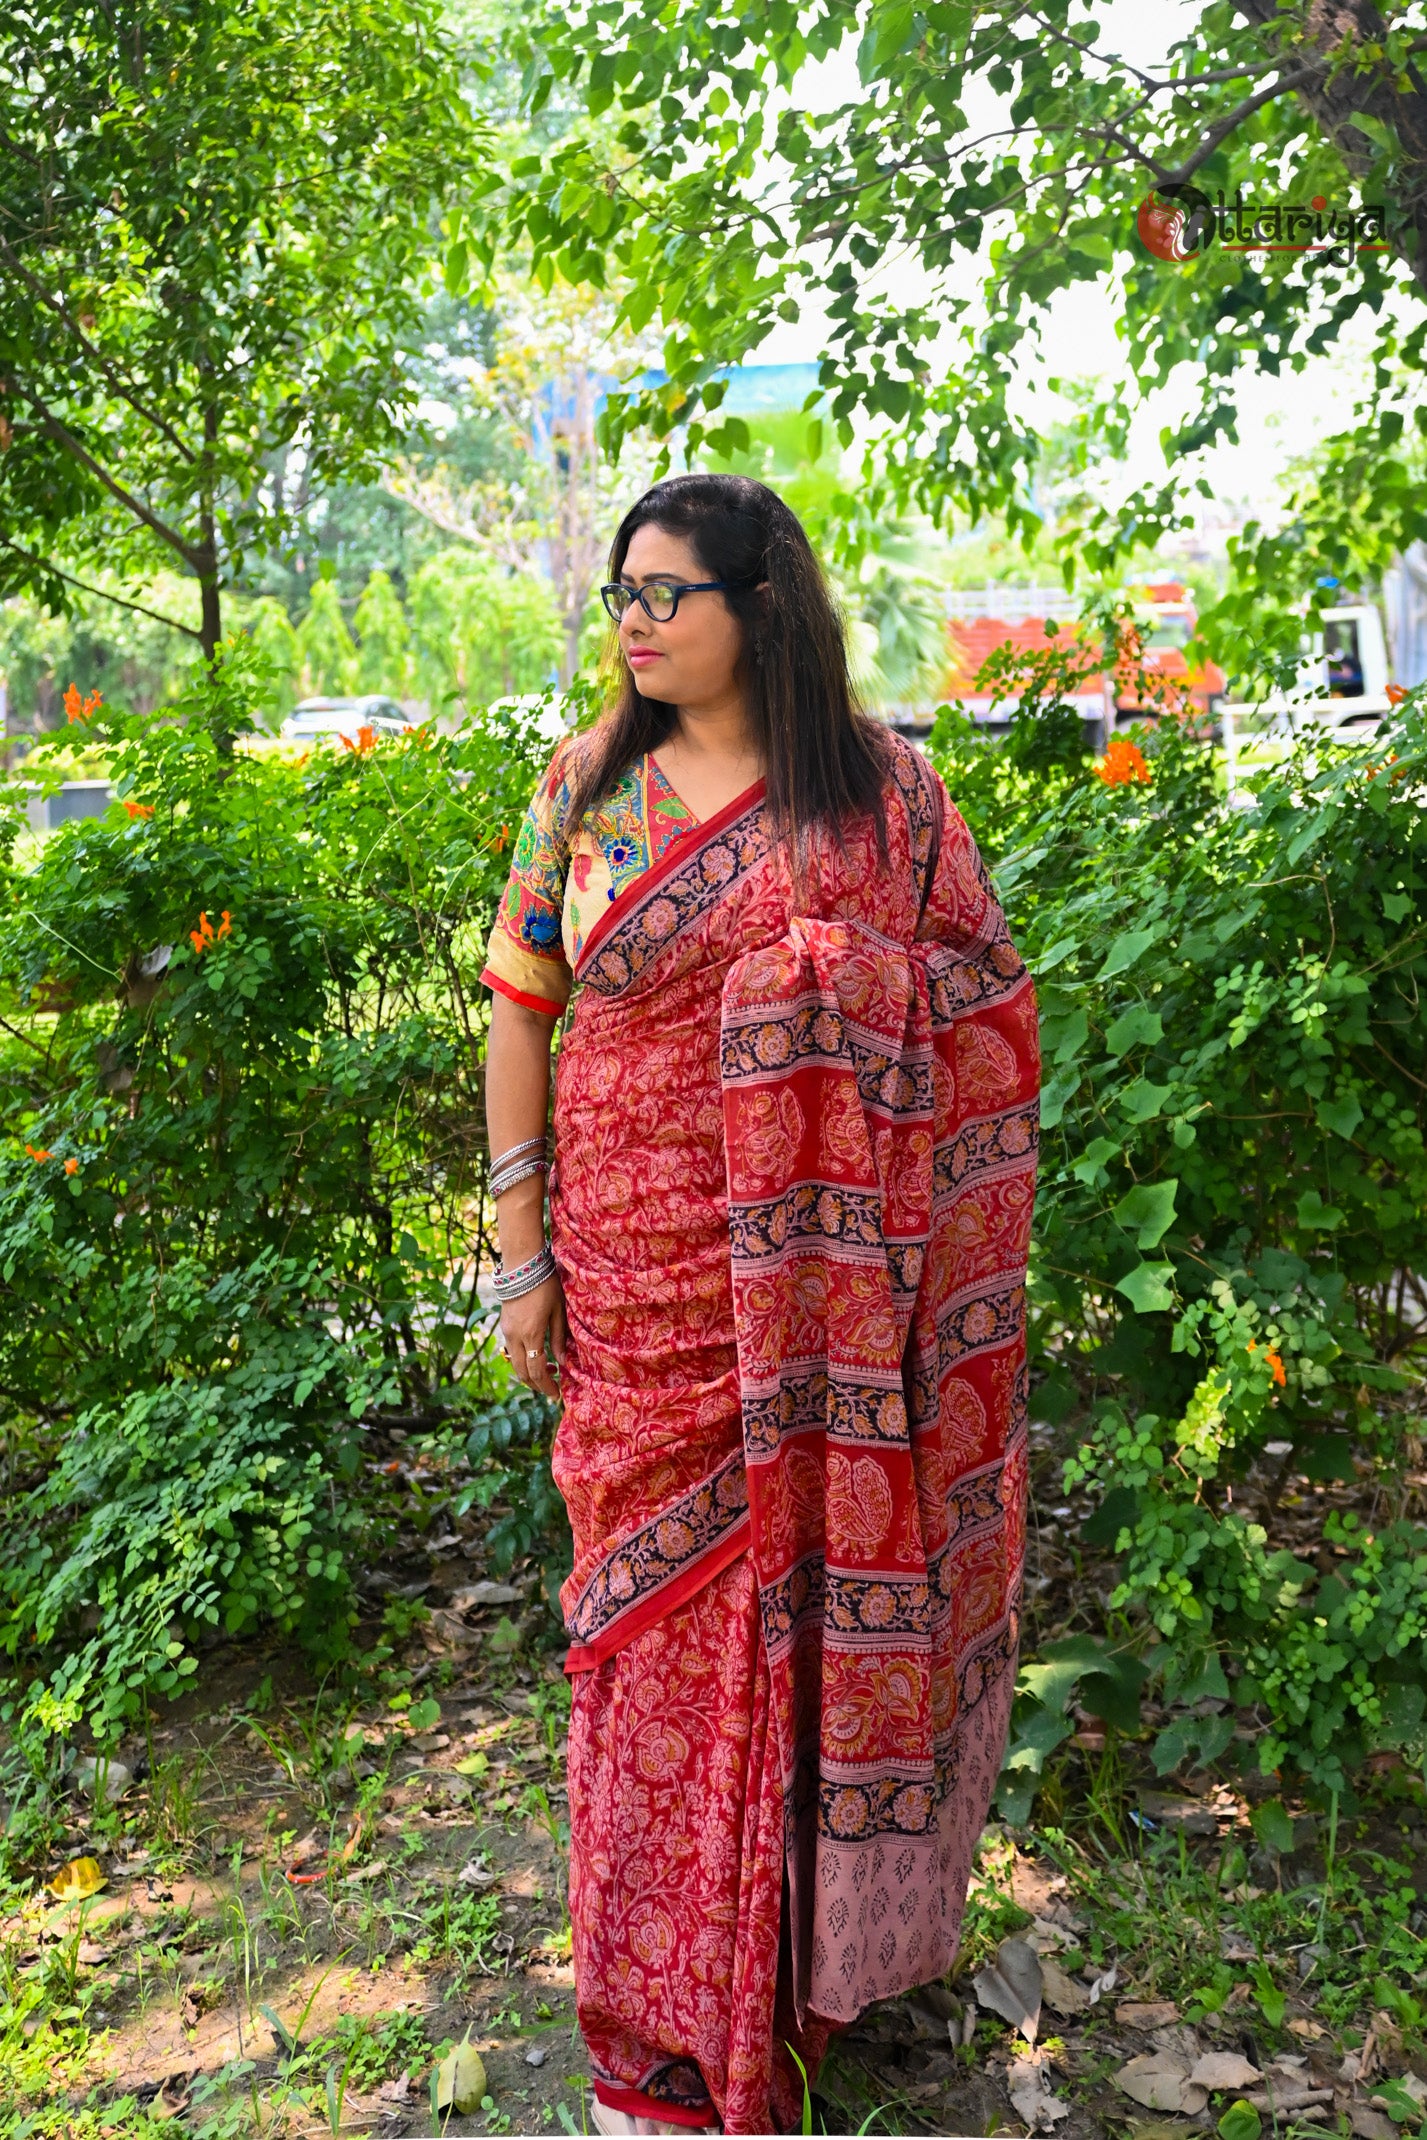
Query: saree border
[(682, 851), (660, 1565)]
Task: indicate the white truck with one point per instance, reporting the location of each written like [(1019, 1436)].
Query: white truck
[(1341, 688)]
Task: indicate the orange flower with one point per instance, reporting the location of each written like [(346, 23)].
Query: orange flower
[(35, 1153), (366, 740), (1277, 1365), (500, 839), (78, 709), (71, 1166), (139, 809), (1396, 693), (205, 934), (1123, 761)]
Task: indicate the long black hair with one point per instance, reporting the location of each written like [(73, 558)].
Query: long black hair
[(824, 760)]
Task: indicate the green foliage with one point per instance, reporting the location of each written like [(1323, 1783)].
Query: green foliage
[(198, 281), (1233, 1181), (704, 182), (325, 650), (384, 663), (481, 633), (240, 1182)]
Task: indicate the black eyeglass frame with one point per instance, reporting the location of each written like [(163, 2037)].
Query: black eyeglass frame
[(615, 608)]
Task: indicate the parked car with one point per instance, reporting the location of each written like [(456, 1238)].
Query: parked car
[(318, 717)]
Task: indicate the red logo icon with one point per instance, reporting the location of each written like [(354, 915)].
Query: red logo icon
[(1175, 224)]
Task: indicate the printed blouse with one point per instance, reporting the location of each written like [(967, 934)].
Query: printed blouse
[(563, 877)]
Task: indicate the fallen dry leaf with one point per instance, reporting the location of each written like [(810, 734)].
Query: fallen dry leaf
[(1147, 2013), (368, 1872), (1011, 1986), (1160, 2080), (1223, 2069), (1061, 1991), (1310, 2031), (1032, 2098), (1370, 2124)]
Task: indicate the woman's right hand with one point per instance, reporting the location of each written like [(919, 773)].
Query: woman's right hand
[(533, 1332)]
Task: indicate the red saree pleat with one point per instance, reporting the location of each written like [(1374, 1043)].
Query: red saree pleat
[(794, 1154)]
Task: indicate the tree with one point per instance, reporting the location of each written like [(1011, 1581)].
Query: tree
[(482, 633), (550, 499), (212, 223), (324, 644), (383, 662), (996, 154)]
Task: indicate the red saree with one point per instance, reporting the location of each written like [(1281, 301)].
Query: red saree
[(794, 1170)]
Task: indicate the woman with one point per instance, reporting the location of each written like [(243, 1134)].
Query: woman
[(795, 1120)]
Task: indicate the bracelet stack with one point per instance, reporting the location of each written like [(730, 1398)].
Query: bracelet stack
[(517, 1165), (511, 1285)]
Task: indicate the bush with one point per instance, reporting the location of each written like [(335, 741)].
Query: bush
[(240, 1185), (1230, 1235)]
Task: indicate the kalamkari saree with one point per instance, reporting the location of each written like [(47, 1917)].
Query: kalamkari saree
[(795, 1134)]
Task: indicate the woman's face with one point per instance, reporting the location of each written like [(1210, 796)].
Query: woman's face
[(692, 659)]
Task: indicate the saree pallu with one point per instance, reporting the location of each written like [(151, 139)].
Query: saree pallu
[(794, 1171)]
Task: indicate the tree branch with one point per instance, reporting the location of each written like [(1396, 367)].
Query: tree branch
[(1210, 139), (114, 377), (102, 592), (141, 512)]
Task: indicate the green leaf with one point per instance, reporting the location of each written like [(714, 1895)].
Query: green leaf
[(1142, 1101), (1119, 1511), (1057, 1095), (1015, 1795), (1397, 905), (1315, 1216), (1240, 2122), (1148, 1287), (1341, 1116), (1272, 1826), (1273, 2003), (1136, 1028), (1148, 1211), (425, 1714), (1127, 950)]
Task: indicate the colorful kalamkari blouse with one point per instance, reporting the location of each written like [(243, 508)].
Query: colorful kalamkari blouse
[(563, 876)]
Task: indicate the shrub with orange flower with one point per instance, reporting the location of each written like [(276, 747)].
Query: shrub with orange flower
[(36, 1152), (366, 740), (139, 809), (205, 934), (81, 709), (1122, 763)]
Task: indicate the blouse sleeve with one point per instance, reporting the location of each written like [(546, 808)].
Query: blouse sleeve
[(525, 958)]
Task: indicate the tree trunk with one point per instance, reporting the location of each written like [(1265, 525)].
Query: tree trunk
[(212, 626), (1334, 37)]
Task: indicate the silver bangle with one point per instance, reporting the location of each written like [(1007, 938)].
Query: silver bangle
[(518, 1151), (517, 1171), (513, 1285)]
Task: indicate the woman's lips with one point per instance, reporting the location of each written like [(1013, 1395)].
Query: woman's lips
[(639, 657)]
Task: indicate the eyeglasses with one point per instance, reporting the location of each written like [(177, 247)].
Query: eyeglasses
[(660, 599)]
